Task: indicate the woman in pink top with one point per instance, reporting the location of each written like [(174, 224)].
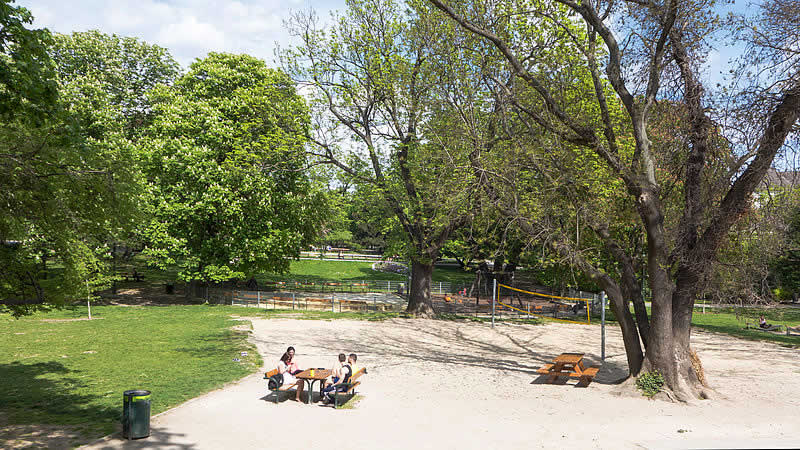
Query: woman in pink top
[(288, 368)]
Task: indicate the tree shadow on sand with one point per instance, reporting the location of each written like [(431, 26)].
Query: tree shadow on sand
[(451, 345)]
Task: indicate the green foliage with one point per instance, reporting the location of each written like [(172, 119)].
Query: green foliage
[(650, 383), (28, 90), (115, 73), (69, 182), (224, 155)]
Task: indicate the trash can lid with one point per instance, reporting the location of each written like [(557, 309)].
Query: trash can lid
[(136, 393)]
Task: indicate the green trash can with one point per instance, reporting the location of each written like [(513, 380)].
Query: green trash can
[(136, 414)]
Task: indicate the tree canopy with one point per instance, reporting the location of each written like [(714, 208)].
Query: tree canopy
[(224, 159)]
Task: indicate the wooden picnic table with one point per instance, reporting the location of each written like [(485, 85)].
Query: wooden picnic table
[(318, 375), (569, 365)]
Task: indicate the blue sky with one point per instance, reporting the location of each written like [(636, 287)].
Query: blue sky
[(188, 28)]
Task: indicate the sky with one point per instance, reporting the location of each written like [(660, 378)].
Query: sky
[(192, 28), (188, 28)]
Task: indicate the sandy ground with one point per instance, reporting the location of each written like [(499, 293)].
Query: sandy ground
[(457, 385)]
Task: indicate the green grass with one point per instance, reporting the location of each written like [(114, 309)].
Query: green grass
[(74, 372), (351, 271), (727, 322), (312, 270), (731, 321)]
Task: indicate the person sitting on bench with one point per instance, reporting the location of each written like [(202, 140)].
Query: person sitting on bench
[(336, 372), (762, 322), (347, 372), (288, 368)]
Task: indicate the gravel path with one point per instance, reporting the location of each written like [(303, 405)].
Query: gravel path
[(465, 386)]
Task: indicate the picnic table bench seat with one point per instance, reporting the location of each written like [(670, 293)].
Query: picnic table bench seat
[(282, 388), (349, 388), (570, 368)]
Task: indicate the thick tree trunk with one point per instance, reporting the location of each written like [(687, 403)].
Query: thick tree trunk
[(420, 302), (630, 336)]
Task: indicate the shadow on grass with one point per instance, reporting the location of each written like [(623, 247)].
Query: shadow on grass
[(43, 396)]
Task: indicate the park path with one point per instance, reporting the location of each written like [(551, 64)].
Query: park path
[(455, 385)]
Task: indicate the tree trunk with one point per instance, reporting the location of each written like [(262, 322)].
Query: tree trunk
[(630, 336), (420, 302)]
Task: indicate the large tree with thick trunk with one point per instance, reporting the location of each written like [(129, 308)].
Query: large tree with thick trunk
[(375, 83), (665, 44)]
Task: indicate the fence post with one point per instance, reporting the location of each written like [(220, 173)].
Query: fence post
[(332, 305), (494, 292), (258, 299), (374, 303), (292, 301), (603, 325)]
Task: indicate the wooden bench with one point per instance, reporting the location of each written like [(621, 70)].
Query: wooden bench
[(350, 392), (585, 376), (283, 388)]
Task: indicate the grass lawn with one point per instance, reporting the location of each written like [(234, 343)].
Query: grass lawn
[(61, 371), (732, 321), (726, 321), (351, 271), (314, 270)]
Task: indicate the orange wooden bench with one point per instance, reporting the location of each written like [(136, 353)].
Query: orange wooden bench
[(351, 388), (283, 388)]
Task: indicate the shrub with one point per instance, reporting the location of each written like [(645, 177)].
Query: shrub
[(650, 383)]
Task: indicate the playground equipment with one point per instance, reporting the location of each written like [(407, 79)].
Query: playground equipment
[(536, 304)]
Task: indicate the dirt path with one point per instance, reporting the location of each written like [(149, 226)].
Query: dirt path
[(465, 386)]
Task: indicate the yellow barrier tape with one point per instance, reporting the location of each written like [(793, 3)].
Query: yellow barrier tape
[(542, 295), (543, 317), (588, 317)]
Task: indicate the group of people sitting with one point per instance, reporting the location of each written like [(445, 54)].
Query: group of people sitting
[(342, 370)]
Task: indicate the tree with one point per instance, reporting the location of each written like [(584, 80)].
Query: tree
[(122, 70), (664, 41), (66, 182), (29, 90), (372, 78), (224, 158)]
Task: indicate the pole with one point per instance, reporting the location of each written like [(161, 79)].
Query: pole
[(603, 325), (88, 299), (292, 301), (494, 292), (258, 299)]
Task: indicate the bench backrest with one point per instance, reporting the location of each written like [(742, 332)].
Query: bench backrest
[(360, 372)]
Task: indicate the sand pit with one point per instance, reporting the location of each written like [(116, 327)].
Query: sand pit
[(464, 385)]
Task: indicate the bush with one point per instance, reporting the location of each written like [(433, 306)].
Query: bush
[(650, 383)]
